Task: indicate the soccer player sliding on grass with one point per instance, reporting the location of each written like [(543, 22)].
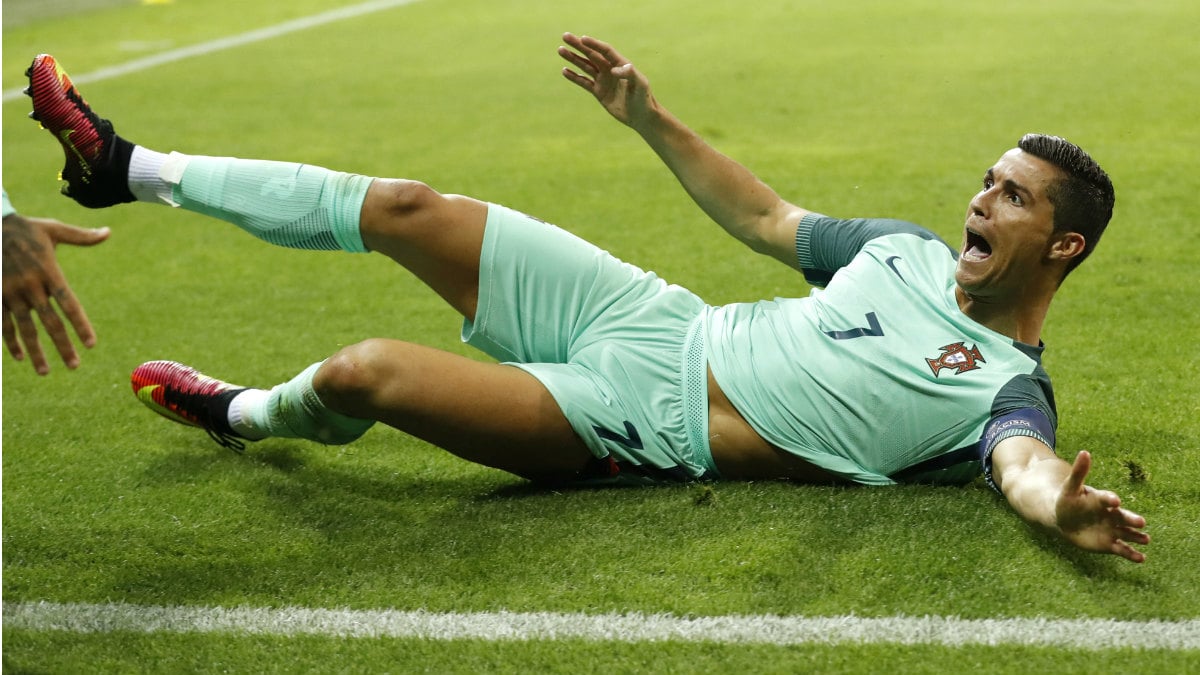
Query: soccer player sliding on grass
[(914, 364)]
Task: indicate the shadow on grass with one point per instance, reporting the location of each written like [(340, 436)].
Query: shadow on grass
[(425, 529), (392, 522), (1093, 566)]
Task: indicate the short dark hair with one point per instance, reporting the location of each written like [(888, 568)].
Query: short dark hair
[(1083, 200)]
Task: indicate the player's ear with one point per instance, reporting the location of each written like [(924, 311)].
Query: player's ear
[(1065, 246)]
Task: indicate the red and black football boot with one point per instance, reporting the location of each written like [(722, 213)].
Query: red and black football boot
[(182, 394), (97, 159)]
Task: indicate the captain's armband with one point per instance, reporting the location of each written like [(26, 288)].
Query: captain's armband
[(1029, 422)]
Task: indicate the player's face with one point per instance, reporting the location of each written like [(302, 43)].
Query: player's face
[(1009, 227)]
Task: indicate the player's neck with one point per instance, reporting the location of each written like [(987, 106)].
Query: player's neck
[(1021, 320)]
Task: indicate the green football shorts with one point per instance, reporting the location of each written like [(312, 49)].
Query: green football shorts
[(620, 350)]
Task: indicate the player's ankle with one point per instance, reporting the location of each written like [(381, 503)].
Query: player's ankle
[(145, 177)]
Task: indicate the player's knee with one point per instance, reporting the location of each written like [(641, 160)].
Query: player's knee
[(351, 377), (400, 212), (410, 199)]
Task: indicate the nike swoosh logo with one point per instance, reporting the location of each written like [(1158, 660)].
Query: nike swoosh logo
[(891, 262), (146, 395), (65, 135)]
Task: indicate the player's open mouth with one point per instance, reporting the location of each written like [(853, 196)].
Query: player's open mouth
[(977, 248)]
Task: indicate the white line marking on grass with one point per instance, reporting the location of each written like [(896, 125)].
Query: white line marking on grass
[(1087, 634), (230, 42)]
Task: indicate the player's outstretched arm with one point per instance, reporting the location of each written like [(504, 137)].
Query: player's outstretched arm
[(1048, 491), (32, 277), (728, 192)]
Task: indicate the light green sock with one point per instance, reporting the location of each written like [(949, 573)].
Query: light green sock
[(286, 204), (293, 410)]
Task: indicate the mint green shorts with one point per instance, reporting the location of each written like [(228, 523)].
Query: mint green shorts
[(619, 349)]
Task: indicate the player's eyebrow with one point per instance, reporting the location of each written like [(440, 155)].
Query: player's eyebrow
[(1011, 185)]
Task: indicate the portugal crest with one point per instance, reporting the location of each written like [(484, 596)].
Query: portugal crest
[(957, 357)]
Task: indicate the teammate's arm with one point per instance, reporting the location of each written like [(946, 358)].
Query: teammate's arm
[(34, 283), (729, 193), (1047, 491)]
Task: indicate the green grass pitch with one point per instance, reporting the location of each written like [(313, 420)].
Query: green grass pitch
[(856, 108)]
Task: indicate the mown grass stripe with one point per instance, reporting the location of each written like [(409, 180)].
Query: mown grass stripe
[(224, 43), (1086, 634)]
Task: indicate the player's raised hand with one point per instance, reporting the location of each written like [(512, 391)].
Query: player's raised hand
[(1094, 520), (611, 78), (32, 277)]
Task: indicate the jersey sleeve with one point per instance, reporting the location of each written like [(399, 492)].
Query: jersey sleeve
[(8, 207), (1023, 408), (824, 245)]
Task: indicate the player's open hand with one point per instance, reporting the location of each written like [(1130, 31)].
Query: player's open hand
[(32, 278), (610, 77), (1094, 520)]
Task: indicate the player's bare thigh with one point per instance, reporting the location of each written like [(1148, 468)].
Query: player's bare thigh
[(491, 414), (437, 237)]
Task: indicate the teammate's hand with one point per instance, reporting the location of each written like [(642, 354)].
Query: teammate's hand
[(32, 277), (611, 78), (1094, 520)]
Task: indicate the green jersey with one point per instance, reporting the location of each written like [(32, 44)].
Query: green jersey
[(878, 376)]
